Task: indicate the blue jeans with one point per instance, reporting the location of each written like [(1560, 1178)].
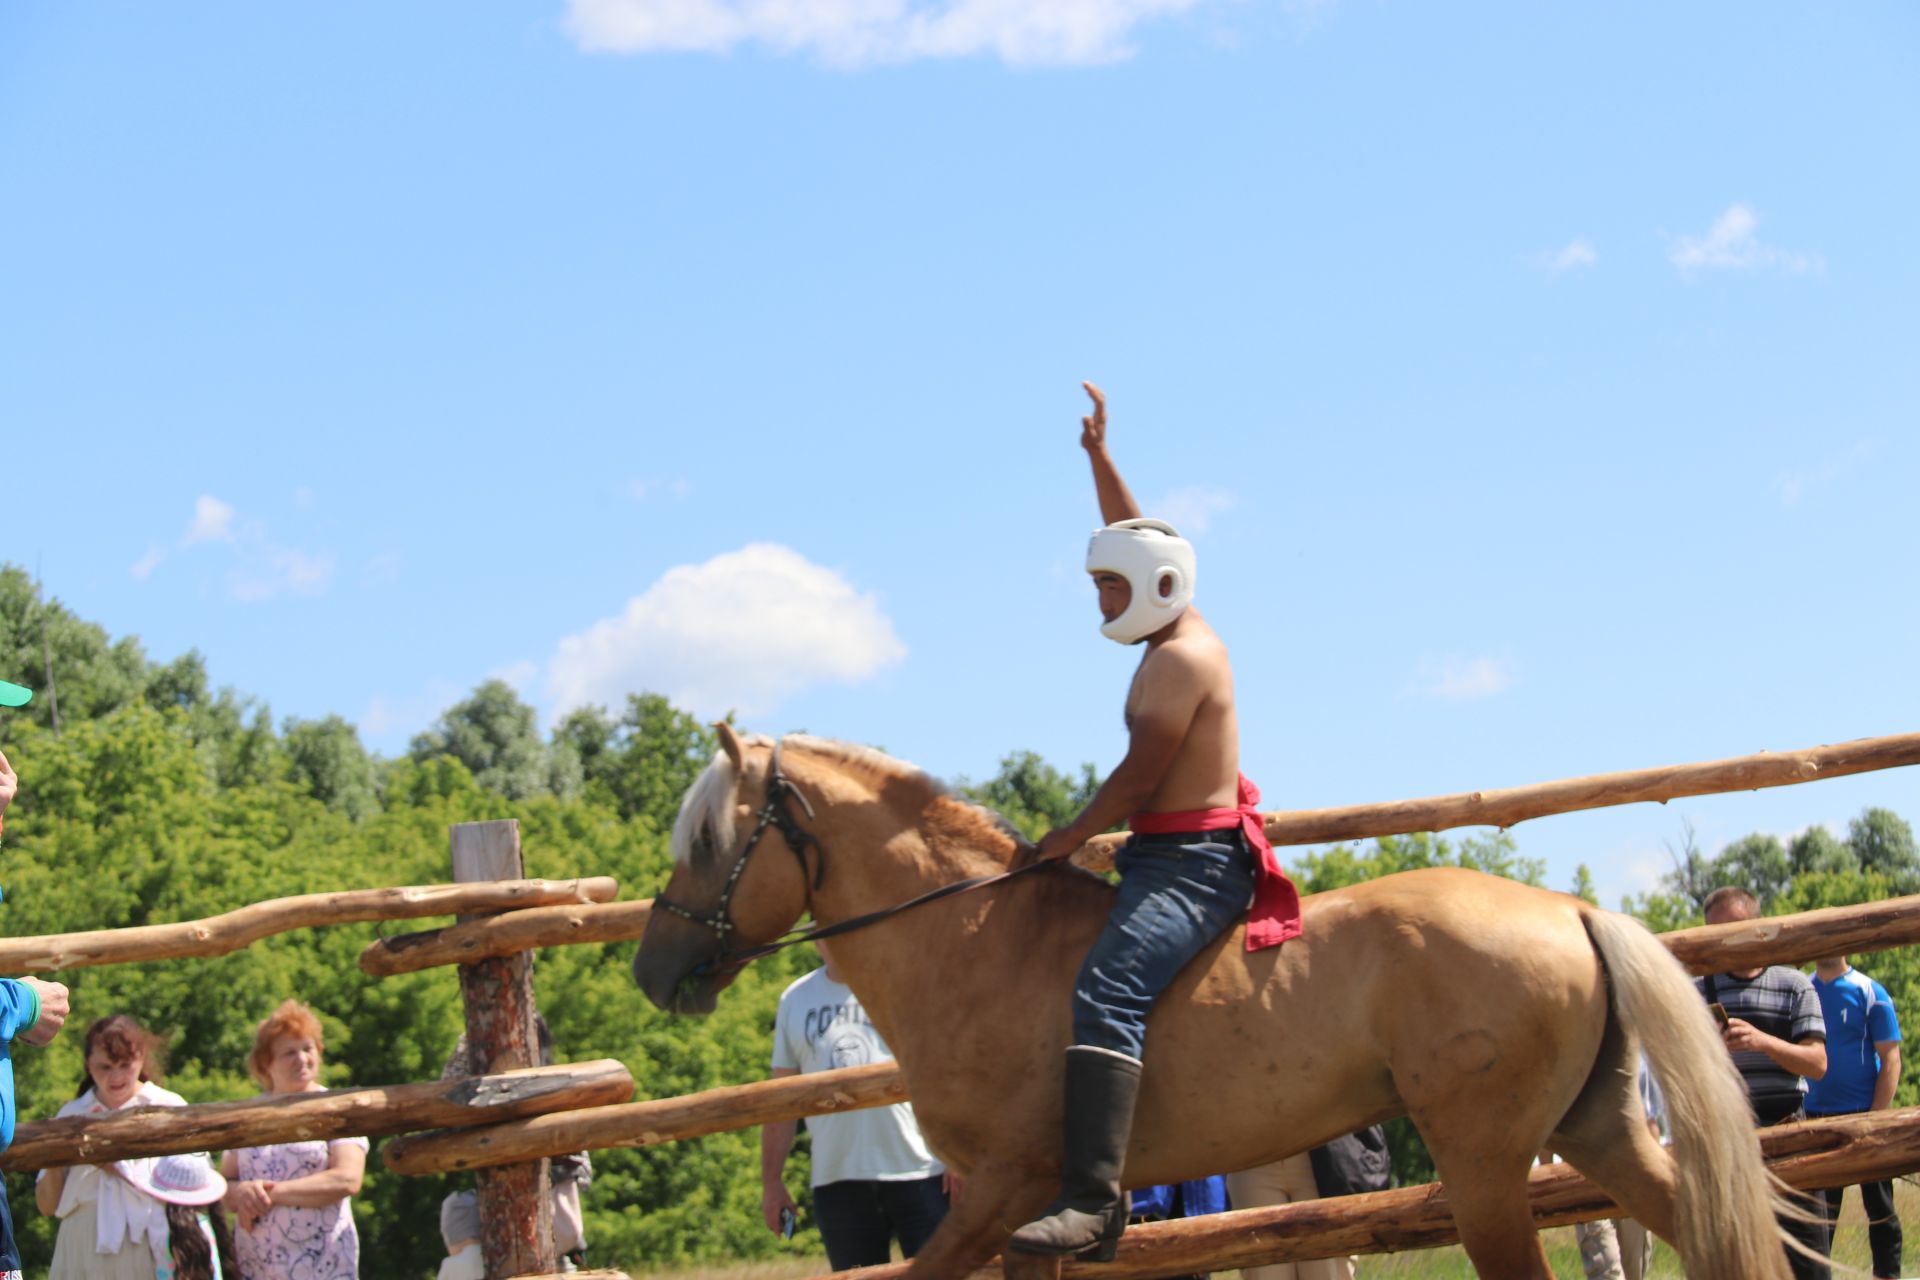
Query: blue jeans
[(1177, 893), (859, 1219)]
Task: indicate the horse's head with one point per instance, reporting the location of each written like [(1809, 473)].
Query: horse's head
[(737, 878)]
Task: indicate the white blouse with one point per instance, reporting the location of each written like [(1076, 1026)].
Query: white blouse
[(124, 1215)]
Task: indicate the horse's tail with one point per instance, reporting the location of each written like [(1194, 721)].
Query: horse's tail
[(1725, 1199)]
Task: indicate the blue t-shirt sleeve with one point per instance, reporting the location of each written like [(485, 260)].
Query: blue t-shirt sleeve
[(1883, 1023), (19, 1008)]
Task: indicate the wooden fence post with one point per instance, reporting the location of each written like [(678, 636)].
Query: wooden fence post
[(516, 1210)]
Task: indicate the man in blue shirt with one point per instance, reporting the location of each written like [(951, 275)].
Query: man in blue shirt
[(31, 1010), (1863, 1070)]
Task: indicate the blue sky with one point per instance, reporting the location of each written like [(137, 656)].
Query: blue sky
[(1538, 384)]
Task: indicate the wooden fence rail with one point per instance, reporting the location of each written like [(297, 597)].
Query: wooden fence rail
[(1870, 927), (505, 934), (645, 1124), (1819, 1153), (1507, 806), (339, 1113), (222, 934)]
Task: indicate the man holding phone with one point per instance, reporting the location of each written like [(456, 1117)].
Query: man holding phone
[(1771, 1023), (874, 1180)]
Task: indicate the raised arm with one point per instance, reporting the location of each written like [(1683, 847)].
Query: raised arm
[(1116, 500)]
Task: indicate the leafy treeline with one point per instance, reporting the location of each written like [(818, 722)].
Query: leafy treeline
[(160, 797)]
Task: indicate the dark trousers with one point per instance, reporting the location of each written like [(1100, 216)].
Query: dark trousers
[(1883, 1225), (9, 1254), (1177, 894), (859, 1220), (1814, 1235)]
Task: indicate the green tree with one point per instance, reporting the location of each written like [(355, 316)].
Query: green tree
[(1883, 842), (492, 733), (325, 757), (1818, 850), (91, 674), (644, 761), (1033, 795), (1757, 862)]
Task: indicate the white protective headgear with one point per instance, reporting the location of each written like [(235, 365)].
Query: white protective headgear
[(1144, 552)]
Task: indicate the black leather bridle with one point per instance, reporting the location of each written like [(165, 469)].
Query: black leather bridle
[(774, 812)]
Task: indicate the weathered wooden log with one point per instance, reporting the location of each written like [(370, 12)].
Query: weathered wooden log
[(506, 934), (516, 1212), (339, 1113), (1798, 939), (1819, 1153), (645, 1124), (1511, 805), (221, 934)]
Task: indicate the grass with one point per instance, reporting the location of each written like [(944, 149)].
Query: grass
[(1850, 1248)]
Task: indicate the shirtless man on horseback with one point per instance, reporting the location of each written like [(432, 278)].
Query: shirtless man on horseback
[(1197, 856)]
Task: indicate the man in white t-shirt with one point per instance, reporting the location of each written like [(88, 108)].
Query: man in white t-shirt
[(874, 1181)]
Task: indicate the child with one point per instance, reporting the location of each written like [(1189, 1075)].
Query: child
[(200, 1245)]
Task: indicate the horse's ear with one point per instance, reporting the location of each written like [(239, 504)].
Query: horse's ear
[(730, 743)]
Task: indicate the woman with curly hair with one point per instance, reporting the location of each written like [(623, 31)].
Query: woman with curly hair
[(289, 1200)]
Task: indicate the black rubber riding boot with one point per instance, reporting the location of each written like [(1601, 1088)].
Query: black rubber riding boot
[(1086, 1220)]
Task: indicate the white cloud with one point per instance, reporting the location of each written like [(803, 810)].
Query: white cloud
[(1795, 485), (1461, 679), (212, 522), (744, 631), (1577, 252), (646, 488), (1191, 510), (852, 33), (1733, 244), (269, 571), (259, 568)]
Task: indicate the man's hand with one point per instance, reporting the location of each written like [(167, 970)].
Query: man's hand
[(1742, 1036), (1093, 428), (1804, 1058), (1061, 842), (774, 1198), (9, 783), (53, 1011)]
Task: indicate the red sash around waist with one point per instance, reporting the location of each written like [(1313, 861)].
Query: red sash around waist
[(1275, 915)]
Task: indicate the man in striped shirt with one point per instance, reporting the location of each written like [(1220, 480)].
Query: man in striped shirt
[(1778, 1039)]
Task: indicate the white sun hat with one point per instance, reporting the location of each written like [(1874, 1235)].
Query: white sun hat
[(185, 1179)]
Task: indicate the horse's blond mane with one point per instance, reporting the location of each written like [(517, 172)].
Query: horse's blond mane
[(951, 815), (706, 818)]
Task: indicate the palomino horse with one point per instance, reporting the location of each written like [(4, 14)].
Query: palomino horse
[(1502, 1018)]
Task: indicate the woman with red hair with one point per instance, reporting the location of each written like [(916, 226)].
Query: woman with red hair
[(290, 1199)]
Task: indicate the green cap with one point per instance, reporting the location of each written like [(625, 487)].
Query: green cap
[(13, 695)]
